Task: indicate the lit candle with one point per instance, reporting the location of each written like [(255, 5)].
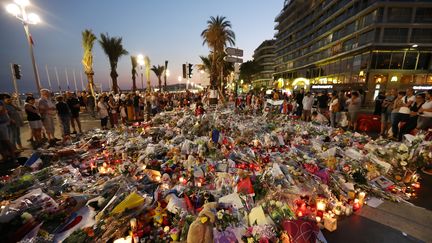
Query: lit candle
[(318, 219), (133, 223), (321, 205), (157, 178), (362, 196), (199, 184), (181, 180), (299, 214), (356, 205), (144, 167)]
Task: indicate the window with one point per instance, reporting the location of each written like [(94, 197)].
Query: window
[(367, 37), (399, 15), (424, 61), (410, 60), (395, 35), (423, 15), (396, 60), (421, 35), (381, 60)]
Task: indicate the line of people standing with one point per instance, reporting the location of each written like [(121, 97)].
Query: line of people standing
[(404, 111)]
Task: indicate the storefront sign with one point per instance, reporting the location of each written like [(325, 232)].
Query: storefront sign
[(322, 87), (422, 87)]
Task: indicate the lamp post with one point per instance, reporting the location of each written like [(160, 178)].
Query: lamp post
[(140, 61), (18, 9)]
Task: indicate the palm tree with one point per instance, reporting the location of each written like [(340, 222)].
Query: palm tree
[(158, 71), (113, 48), (88, 39), (147, 72), (134, 72), (206, 64), (217, 36)]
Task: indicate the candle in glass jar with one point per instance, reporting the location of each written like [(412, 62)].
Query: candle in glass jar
[(321, 205), (133, 223)]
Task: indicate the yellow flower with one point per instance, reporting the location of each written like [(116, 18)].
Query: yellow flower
[(203, 219), (250, 240)]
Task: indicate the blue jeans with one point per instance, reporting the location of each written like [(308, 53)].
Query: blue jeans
[(65, 124), (333, 116), (15, 135)]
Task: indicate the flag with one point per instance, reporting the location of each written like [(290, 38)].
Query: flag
[(78, 220)]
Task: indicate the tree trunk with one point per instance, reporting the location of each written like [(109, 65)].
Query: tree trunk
[(90, 84), (160, 83), (114, 82), (134, 87)]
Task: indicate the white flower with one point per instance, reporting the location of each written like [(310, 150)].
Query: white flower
[(278, 204), (219, 215), (403, 163), (272, 202), (403, 148)]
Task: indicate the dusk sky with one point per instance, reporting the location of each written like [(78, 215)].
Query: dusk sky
[(162, 29)]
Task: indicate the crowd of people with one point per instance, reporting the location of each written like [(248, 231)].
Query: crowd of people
[(401, 112)]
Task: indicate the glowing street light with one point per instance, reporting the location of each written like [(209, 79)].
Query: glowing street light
[(179, 78), (18, 9)]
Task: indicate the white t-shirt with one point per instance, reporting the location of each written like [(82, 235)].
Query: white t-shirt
[(333, 103), (307, 103), (426, 106), (103, 110), (408, 99)]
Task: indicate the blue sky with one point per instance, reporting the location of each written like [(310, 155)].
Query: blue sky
[(162, 29)]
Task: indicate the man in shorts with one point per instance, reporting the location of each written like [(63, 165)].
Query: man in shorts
[(47, 110)]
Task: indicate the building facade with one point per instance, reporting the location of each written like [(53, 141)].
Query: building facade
[(264, 56), (354, 44)]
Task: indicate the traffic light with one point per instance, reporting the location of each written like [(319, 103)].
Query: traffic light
[(17, 71), (184, 70), (190, 70)]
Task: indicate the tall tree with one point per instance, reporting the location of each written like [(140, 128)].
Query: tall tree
[(158, 71), (217, 36), (88, 39), (248, 69), (134, 72), (113, 48)]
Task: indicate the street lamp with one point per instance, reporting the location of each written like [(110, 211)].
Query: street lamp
[(140, 61), (18, 10)]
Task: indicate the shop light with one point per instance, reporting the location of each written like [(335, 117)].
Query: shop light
[(361, 74), (394, 79)]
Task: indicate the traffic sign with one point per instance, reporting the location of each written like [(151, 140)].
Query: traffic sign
[(233, 59), (234, 52)]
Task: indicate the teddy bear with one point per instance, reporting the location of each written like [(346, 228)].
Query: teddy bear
[(201, 230)]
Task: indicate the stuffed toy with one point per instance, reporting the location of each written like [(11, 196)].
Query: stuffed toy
[(201, 230)]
